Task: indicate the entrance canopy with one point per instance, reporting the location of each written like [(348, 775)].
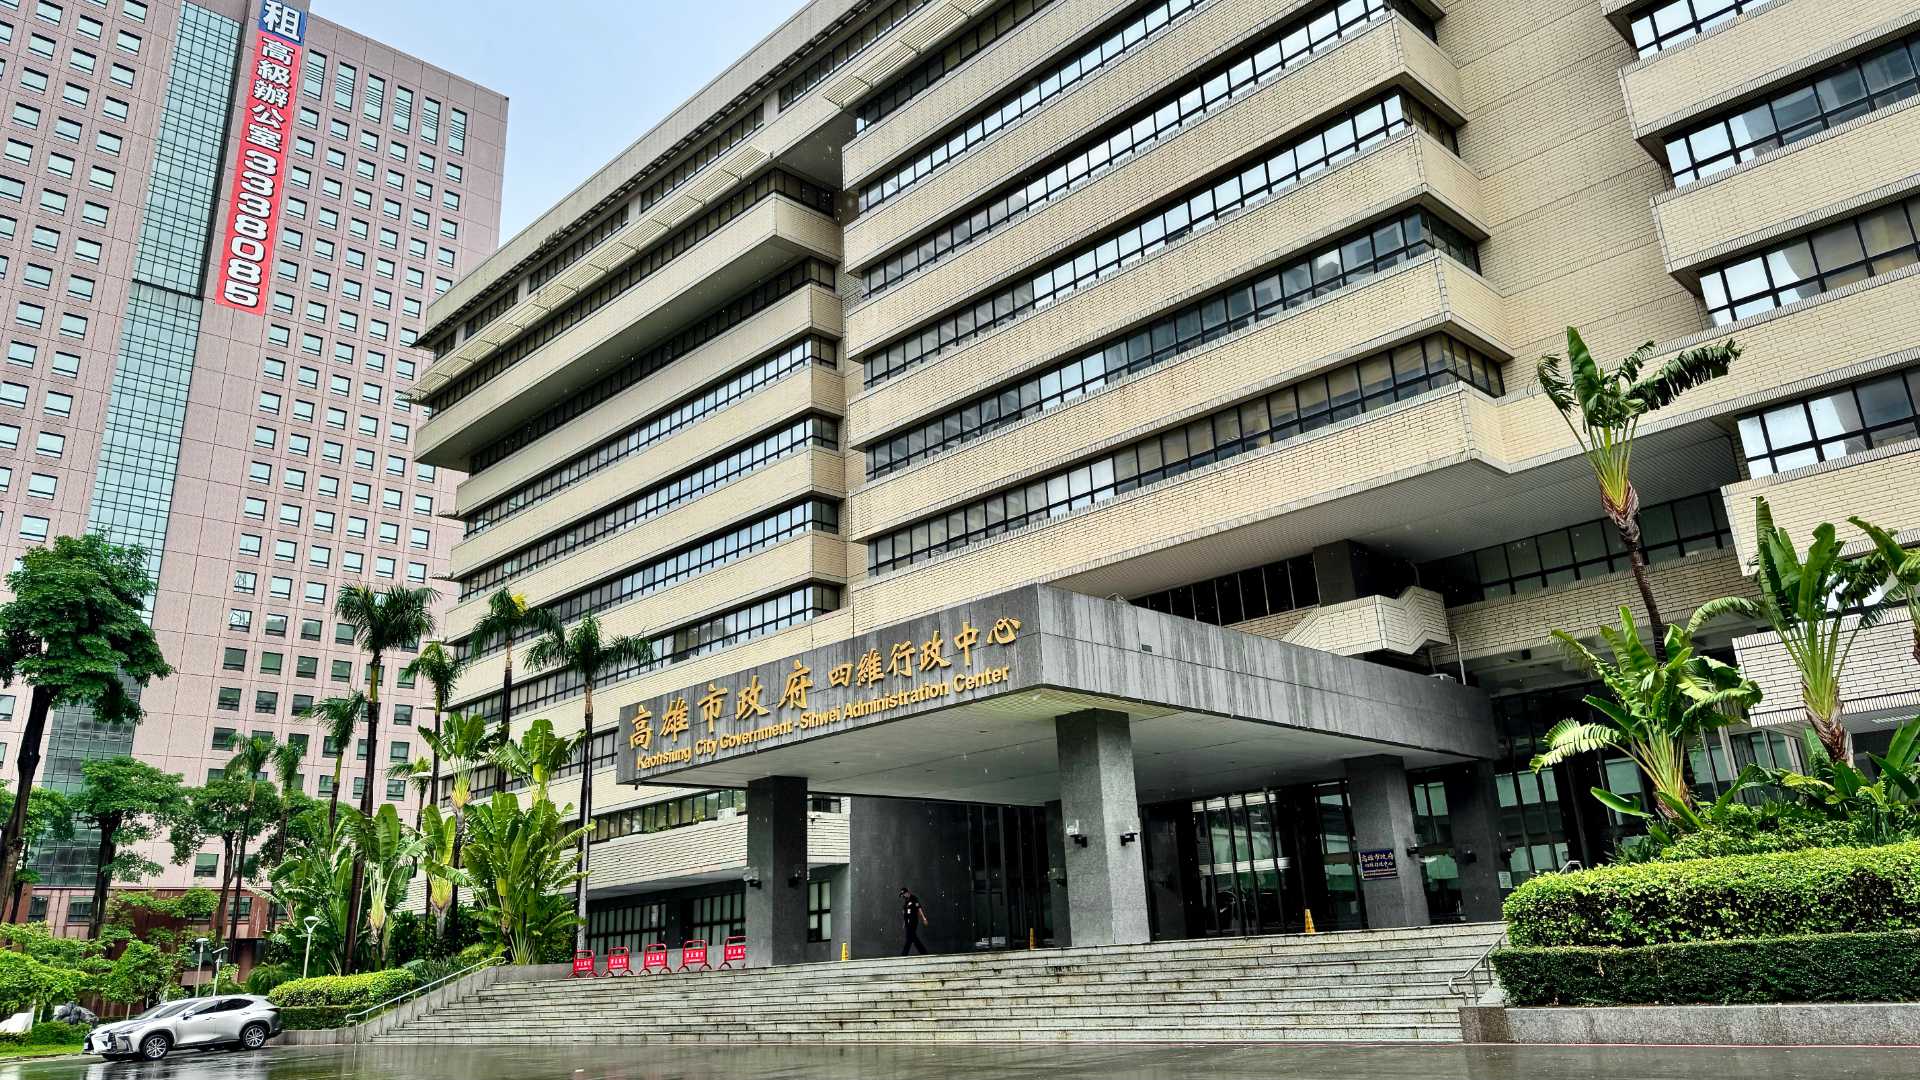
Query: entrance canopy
[(961, 705)]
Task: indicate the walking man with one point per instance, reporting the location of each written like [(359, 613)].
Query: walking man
[(912, 917)]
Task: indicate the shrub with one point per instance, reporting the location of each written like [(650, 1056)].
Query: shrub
[(48, 1033), (351, 991), (314, 1017), (1819, 891), (1823, 967), (264, 977), (1739, 829)]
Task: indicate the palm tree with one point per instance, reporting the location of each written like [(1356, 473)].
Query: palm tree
[(1610, 406), (1903, 571), (507, 620), (382, 623), (590, 656), (1817, 607), (1655, 711), (249, 762), (288, 757), (439, 667), (418, 774), (339, 718), (463, 744)]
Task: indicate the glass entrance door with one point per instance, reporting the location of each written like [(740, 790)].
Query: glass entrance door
[(1265, 858)]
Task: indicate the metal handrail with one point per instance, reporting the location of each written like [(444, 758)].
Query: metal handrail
[(360, 1015), (1480, 974)]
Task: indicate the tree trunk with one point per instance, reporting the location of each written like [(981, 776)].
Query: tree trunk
[(226, 874), (366, 810), (1832, 733), (506, 698), (109, 825), (452, 931), (586, 823), (1628, 522), (13, 840), (433, 796), (239, 875)]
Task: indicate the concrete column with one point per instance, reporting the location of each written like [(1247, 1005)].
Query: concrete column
[(1383, 821), (1106, 881), (1474, 806), (777, 858), (1057, 875)]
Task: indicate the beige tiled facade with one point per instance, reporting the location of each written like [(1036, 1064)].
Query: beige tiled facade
[(1552, 171)]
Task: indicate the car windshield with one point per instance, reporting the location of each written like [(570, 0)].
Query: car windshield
[(167, 1009)]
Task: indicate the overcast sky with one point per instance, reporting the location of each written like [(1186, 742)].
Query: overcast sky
[(584, 79)]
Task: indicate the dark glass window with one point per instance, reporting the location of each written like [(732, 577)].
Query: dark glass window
[(1587, 550), (1839, 94), (1241, 596), (1664, 25), (1833, 424), (1877, 242)]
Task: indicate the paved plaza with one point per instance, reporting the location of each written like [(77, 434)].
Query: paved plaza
[(1053, 1062)]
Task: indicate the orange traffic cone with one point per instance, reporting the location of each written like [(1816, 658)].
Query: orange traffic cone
[(1310, 928)]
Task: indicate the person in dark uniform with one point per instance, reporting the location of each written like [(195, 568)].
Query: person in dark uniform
[(912, 918)]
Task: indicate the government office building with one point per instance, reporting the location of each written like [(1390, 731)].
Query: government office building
[(212, 355), (1081, 459)]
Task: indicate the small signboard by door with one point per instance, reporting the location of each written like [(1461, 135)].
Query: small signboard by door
[(1378, 864)]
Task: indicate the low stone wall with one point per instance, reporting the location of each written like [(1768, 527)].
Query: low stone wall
[(1892, 1024), (427, 1002)]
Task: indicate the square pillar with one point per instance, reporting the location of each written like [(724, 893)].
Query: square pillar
[(777, 859), (1057, 876), (1106, 878), (1383, 821), (1473, 802)]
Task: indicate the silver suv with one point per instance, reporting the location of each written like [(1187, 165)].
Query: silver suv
[(238, 1021)]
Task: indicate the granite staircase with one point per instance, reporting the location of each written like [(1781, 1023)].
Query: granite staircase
[(1375, 986)]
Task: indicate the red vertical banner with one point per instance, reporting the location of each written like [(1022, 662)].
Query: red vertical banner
[(259, 169)]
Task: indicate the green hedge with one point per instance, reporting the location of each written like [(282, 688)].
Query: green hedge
[(1818, 891), (1821, 967), (353, 991), (48, 1033), (315, 1017)]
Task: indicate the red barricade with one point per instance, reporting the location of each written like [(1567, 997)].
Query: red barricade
[(733, 951), (694, 953), (619, 961), (582, 965), (653, 958)]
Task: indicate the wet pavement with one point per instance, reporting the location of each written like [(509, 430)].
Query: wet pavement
[(964, 1062)]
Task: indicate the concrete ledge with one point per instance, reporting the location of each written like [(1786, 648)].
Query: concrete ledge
[(1817, 1024)]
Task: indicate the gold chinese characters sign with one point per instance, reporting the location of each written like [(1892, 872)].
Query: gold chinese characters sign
[(909, 673)]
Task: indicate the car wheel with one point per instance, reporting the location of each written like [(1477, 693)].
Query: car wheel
[(155, 1046), (253, 1036)]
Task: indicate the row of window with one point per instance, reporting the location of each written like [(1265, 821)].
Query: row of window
[(327, 486), (632, 273), (1211, 201), (1667, 24), (39, 485), (313, 77), (277, 624), (47, 238), (319, 556), (630, 370), (1296, 409), (833, 59), (424, 160), (1176, 333), (53, 201), (247, 583), (1839, 94), (1877, 242), (270, 402), (1237, 597), (46, 443), (1129, 34), (758, 619), (803, 434), (1832, 424), (1136, 133), (958, 49), (667, 814), (689, 562), (267, 703), (764, 372), (1588, 550), (666, 184), (356, 259)]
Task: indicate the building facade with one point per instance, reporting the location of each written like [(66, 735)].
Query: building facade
[(223, 224), (1220, 313)]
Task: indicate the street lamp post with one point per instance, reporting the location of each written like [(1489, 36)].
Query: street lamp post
[(311, 921), (219, 954), (199, 959)]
